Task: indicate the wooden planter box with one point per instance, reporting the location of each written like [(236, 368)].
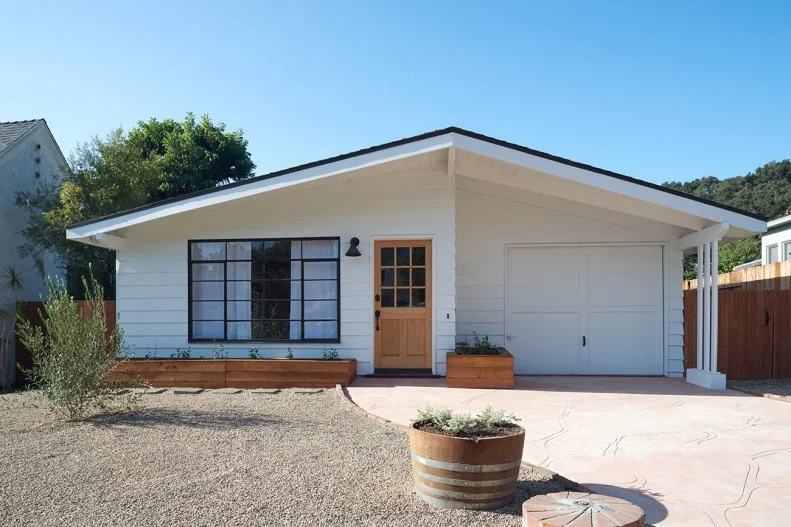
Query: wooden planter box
[(462, 473), (240, 373), (480, 371)]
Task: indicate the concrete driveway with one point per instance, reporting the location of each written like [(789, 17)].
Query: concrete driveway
[(687, 456)]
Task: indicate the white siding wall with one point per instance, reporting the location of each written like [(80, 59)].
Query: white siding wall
[(488, 217), (778, 238), (152, 269)]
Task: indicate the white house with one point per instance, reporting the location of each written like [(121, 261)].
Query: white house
[(776, 242), (574, 269)]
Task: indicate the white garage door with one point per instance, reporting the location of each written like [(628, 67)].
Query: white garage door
[(585, 310)]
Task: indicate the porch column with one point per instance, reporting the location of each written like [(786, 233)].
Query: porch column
[(707, 242)]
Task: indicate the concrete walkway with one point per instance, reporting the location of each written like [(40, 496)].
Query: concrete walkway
[(688, 456)]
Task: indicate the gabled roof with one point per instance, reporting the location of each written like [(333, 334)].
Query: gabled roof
[(12, 131), (437, 139)]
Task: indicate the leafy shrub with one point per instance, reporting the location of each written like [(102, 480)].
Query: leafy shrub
[(481, 346), (75, 352), (12, 282), (181, 353), (465, 424), (331, 354), (253, 353), (218, 351), (290, 354)]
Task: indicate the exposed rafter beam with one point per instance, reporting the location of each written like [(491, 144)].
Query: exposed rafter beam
[(709, 234)]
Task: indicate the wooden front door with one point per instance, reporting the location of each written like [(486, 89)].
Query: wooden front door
[(402, 304)]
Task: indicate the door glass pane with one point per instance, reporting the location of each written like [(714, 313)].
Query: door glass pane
[(388, 259), (208, 251), (387, 277), (402, 256), (402, 277), (418, 297), (388, 298), (319, 249), (402, 297), (418, 276), (418, 256)]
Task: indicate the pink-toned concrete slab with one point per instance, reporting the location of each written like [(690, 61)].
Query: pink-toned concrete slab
[(686, 455)]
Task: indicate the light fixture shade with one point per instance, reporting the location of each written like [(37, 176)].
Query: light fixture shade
[(353, 250)]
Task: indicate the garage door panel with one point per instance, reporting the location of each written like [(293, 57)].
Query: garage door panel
[(624, 343), (624, 276), (545, 344), (545, 278)]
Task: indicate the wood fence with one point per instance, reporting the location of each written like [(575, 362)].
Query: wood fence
[(754, 339), (30, 311), (772, 277)]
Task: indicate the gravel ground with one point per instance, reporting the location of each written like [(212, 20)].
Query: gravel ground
[(218, 459), (778, 388)]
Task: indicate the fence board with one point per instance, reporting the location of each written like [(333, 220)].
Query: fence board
[(771, 277), (754, 333)]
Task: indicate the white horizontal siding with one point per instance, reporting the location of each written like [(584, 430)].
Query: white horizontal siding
[(152, 268), (490, 216)]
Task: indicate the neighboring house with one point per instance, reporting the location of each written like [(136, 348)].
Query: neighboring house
[(776, 242), (29, 156), (394, 253)]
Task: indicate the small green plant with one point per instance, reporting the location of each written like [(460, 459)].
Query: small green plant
[(480, 346), (253, 353), (182, 353), (75, 353), (218, 351), (465, 424), (11, 281), (331, 354), (290, 354)]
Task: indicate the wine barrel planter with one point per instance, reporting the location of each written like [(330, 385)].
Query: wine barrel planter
[(461, 473)]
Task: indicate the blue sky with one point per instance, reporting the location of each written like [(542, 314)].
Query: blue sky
[(660, 91)]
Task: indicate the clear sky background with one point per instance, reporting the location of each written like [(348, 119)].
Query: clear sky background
[(659, 91)]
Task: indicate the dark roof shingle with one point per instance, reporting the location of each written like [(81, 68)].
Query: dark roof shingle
[(11, 131)]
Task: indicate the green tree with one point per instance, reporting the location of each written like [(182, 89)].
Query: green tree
[(766, 191), (155, 160)]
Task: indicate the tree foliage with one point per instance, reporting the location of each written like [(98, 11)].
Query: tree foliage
[(766, 191), (155, 160)]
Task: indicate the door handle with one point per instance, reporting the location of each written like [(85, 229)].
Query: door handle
[(377, 313), (766, 318), (583, 341)]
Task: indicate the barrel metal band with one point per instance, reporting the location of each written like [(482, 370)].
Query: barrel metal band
[(462, 467), (464, 495), (464, 482), (451, 504)]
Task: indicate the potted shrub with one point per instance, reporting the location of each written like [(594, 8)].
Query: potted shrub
[(479, 365), (461, 461)]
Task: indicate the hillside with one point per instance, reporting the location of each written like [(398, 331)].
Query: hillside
[(766, 191)]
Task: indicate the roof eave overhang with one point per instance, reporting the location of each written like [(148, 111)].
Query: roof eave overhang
[(442, 139)]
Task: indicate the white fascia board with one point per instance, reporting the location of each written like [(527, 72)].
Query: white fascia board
[(608, 183), (265, 185), (779, 221)]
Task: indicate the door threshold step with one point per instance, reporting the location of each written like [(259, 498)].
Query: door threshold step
[(401, 372)]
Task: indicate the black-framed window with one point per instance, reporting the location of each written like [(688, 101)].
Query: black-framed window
[(277, 290)]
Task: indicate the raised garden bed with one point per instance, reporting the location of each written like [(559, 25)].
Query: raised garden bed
[(480, 371), (240, 373)]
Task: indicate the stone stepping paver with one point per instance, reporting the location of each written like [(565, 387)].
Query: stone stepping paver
[(187, 391), (580, 509), (267, 391), (149, 391), (227, 390)]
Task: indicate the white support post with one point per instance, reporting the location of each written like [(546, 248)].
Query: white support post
[(707, 243), (699, 364), (707, 309), (714, 308)]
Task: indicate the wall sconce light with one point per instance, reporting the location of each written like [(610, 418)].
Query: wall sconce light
[(353, 250)]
